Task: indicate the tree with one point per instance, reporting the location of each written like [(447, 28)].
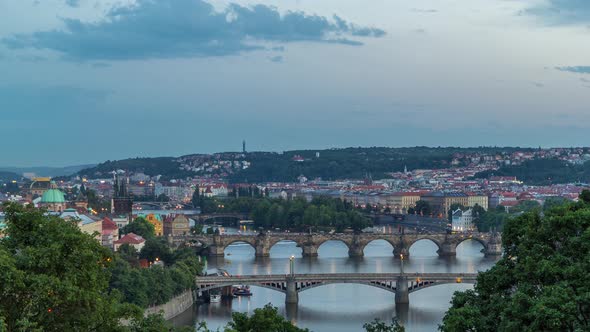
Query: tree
[(53, 276), (380, 326), (541, 282), (156, 249), (265, 319), (197, 229), (196, 199), (422, 208), (141, 227), (129, 254)]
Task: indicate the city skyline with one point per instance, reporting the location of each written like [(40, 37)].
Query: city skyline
[(85, 82)]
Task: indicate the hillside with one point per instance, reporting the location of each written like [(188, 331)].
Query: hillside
[(543, 172), (8, 176), (47, 171), (169, 167), (329, 164)]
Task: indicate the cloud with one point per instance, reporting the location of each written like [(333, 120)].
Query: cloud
[(424, 11), (277, 58), (575, 69), (562, 11), (186, 28), (73, 3)]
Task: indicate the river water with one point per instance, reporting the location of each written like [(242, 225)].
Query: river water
[(342, 307)]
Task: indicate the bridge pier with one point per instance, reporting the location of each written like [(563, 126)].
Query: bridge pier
[(262, 251), (292, 295), (398, 252), (309, 250), (402, 294), (356, 251), (447, 249), (215, 250)]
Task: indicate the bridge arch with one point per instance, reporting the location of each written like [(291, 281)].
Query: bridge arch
[(346, 246), (427, 239), (392, 243), (239, 241), (297, 251), (483, 243)]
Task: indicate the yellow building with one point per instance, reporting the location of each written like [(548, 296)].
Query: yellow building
[(441, 202), (156, 220), (400, 202), (481, 200)]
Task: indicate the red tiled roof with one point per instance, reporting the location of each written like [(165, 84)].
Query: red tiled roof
[(107, 223), (130, 238)]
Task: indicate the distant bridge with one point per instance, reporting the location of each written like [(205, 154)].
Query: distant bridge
[(401, 284), (212, 216), (262, 243)]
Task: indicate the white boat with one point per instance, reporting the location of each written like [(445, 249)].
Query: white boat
[(215, 298)]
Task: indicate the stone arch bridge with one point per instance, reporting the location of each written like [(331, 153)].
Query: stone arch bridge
[(262, 243), (401, 284)]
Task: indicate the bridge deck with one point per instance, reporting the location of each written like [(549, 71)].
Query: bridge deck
[(242, 279)]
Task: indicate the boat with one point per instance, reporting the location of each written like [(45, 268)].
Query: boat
[(215, 297), (242, 291)]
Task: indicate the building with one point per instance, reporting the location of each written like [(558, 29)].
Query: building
[(39, 186), (463, 221), (86, 223), (441, 202), (110, 232), (400, 202), (132, 239), (122, 204), (481, 200), (175, 225), (121, 221), (156, 220), (53, 199)]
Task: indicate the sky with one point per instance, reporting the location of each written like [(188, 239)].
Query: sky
[(84, 81)]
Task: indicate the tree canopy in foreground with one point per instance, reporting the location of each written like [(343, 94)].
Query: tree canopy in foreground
[(540, 284), (53, 277)]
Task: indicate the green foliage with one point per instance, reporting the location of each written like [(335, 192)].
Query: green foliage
[(543, 172), (540, 284), (348, 163), (380, 326), (421, 207), (156, 323), (197, 229), (265, 319), (297, 214), (552, 202), (53, 276), (157, 284), (168, 167), (156, 249), (141, 227), (95, 202)]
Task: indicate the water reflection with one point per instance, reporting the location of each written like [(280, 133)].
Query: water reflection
[(343, 307)]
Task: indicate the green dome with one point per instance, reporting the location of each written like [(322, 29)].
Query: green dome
[(53, 196)]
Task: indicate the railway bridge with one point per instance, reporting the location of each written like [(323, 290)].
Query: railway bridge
[(263, 242), (401, 284)]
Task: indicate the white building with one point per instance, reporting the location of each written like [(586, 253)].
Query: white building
[(463, 221)]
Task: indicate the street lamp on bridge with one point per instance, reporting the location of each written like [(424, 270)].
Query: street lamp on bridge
[(291, 268)]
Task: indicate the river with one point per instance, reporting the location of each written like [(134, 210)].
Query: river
[(343, 307)]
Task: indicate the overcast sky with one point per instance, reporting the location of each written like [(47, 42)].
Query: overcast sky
[(88, 80)]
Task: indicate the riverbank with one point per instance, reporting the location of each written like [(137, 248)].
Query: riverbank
[(174, 307)]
